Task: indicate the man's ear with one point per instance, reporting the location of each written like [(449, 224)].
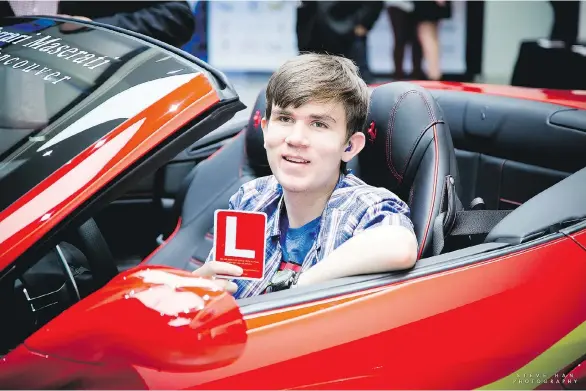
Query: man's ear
[(263, 125), (353, 146)]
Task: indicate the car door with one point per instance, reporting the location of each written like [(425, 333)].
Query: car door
[(512, 321)]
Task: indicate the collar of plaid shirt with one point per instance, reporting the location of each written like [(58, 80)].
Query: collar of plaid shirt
[(274, 229)]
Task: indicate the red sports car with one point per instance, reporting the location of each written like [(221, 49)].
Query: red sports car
[(115, 152)]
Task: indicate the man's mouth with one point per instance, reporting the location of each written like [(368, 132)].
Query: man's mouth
[(295, 159)]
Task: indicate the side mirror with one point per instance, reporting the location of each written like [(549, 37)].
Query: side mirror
[(151, 317)]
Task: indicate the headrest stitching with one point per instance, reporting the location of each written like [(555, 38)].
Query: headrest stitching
[(410, 154), (390, 164), (390, 127)]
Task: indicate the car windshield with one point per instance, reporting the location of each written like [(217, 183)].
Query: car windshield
[(52, 76)]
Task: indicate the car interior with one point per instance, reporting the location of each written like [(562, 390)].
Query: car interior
[(518, 163)]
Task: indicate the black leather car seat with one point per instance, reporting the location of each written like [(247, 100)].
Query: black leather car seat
[(210, 186), (409, 151)]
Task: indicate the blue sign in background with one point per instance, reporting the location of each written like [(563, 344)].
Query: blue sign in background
[(198, 45)]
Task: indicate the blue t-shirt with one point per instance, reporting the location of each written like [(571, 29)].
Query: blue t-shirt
[(296, 242)]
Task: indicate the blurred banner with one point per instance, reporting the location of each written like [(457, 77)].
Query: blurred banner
[(251, 36), (258, 36)]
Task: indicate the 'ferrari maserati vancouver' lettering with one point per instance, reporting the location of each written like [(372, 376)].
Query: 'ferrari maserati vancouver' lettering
[(66, 52), (48, 45), (48, 74), (10, 37), (55, 46)]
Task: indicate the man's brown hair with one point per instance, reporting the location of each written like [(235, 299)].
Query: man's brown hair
[(320, 78)]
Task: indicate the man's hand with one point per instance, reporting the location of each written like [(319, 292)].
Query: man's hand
[(69, 27), (214, 268)]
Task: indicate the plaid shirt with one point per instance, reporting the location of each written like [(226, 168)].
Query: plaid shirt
[(353, 207)]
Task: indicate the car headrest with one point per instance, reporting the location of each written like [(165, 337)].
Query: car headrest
[(255, 151), (409, 151)]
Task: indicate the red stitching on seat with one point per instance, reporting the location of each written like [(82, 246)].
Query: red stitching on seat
[(391, 128), (510, 201), (431, 118), (435, 171)]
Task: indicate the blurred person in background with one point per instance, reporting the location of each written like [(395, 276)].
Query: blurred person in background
[(171, 22), (566, 17), (427, 15), (338, 27), (404, 32)]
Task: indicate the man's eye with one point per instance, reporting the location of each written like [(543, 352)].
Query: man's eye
[(320, 125), (285, 119)]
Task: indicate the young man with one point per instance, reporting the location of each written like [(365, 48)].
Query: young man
[(322, 223)]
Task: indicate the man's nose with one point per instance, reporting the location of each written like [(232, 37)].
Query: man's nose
[(298, 135)]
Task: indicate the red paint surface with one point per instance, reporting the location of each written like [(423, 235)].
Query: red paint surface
[(153, 317), (580, 237), (570, 98), (454, 330), (459, 329)]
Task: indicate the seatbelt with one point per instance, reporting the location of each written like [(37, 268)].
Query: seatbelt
[(170, 222), (454, 221), (466, 223), (180, 196)]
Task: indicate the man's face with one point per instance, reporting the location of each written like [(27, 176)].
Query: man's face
[(305, 145)]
